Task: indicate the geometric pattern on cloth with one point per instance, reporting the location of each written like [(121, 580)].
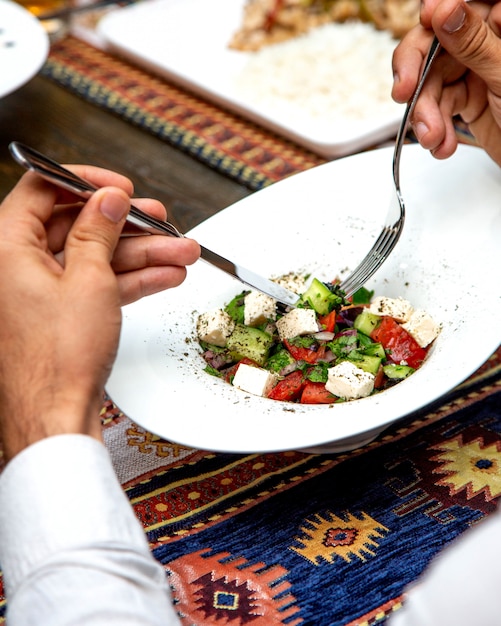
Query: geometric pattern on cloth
[(295, 538), (344, 534)]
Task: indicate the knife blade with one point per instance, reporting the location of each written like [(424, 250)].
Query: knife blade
[(55, 173)]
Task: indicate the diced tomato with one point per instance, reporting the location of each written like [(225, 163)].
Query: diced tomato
[(307, 355), (289, 388), (398, 343), (328, 321), (316, 393), (379, 380), (230, 372)]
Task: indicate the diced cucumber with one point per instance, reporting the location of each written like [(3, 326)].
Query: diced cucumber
[(397, 372), (366, 322), (375, 349), (319, 297), (252, 343), (367, 363)]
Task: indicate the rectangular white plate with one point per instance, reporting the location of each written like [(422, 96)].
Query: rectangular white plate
[(186, 41)]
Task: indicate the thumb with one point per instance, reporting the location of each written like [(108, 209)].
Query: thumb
[(470, 39), (96, 231)]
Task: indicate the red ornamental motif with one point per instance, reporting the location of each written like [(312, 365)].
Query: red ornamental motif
[(340, 537), (207, 592)]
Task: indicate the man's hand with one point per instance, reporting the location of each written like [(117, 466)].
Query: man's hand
[(465, 80), (65, 274)]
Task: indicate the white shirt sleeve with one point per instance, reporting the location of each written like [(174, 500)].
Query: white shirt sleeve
[(71, 549), (462, 584)]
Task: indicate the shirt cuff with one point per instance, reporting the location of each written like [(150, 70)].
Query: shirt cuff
[(59, 494)]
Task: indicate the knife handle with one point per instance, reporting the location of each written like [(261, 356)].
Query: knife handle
[(62, 177)]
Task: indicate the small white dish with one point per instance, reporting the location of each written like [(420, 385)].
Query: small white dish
[(24, 46), (448, 262)]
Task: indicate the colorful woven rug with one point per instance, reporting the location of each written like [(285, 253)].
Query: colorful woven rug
[(319, 540), (226, 142)]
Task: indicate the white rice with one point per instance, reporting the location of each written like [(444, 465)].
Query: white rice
[(334, 71)]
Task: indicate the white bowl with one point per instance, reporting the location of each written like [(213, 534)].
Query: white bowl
[(324, 220)]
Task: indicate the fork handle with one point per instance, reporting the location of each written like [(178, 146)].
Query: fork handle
[(402, 131)]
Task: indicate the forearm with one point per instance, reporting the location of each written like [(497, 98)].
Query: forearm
[(29, 417), (70, 547)]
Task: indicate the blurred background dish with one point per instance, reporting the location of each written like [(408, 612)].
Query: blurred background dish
[(24, 46), (447, 262), (328, 90)]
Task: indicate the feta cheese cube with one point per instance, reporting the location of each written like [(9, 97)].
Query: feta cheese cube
[(215, 327), (422, 327), (397, 308), (258, 308), (254, 380), (297, 322), (293, 282), (348, 381)]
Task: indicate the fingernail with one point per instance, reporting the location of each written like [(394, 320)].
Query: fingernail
[(114, 206), (455, 20), (420, 130)]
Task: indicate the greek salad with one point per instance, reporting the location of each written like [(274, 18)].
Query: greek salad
[(326, 350)]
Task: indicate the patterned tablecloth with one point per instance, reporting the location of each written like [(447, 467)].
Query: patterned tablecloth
[(319, 540), (288, 538)]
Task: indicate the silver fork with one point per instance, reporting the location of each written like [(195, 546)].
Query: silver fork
[(395, 218)]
